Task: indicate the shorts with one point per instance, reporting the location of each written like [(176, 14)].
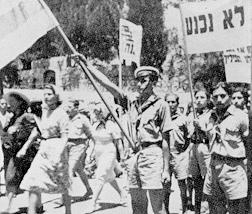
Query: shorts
[(145, 168), (199, 160), (77, 154), (179, 165), (226, 179)]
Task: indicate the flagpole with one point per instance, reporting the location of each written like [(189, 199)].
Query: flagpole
[(249, 147), (120, 83), (90, 77), (120, 73), (187, 59)]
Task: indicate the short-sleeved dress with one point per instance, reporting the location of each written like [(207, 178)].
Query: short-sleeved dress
[(105, 150), (49, 170)]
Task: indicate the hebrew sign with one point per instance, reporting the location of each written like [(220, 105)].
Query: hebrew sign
[(130, 42), (216, 25), (238, 64)]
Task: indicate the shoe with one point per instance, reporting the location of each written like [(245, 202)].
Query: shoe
[(59, 204), (40, 209)]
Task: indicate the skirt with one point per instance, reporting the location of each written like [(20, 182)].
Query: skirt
[(49, 170)]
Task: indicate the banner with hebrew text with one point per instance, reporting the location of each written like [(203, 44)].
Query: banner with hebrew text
[(212, 26), (130, 42), (238, 64)]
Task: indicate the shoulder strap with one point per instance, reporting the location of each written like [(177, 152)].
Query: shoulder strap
[(150, 104)]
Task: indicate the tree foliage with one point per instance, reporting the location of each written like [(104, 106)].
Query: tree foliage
[(149, 14), (92, 27)]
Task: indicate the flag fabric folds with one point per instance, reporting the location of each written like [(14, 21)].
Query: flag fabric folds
[(22, 23)]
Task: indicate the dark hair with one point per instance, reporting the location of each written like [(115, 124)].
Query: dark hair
[(153, 78), (209, 102), (203, 90), (172, 94), (36, 108), (52, 88), (243, 91), (23, 104), (225, 86)]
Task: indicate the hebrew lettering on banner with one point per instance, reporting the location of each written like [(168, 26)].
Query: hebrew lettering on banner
[(216, 25), (237, 64), (130, 42)]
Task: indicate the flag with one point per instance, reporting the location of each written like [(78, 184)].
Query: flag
[(22, 23)]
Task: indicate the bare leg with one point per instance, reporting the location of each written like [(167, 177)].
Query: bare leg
[(97, 192), (216, 206), (84, 179), (183, 195), (237, 206), (67, 202), (139, 201), (156, 199), (10, 197), (190, 193), (115, 185), (33, 201), (198, 186), (167, 193)]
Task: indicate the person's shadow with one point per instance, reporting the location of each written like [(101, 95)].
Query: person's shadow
[(105, 206), (24, 210), (76, 199)]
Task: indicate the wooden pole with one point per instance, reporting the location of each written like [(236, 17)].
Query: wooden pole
[(120, 83), (1, 83), (90, 77), (248, 144), (187, 60)]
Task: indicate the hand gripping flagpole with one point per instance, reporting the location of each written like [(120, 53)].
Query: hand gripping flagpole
[(90, 77)]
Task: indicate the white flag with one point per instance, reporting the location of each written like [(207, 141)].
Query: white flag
[(22, 23), (130, 42)]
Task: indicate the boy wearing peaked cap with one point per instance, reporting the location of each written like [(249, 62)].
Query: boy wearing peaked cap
[(149, 125)]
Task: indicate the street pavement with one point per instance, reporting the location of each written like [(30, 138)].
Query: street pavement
[(109, 200)]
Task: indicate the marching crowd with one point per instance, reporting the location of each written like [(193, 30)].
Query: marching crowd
[(44, 145)]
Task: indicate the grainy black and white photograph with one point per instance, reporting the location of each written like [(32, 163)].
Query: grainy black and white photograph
[(125, 106)]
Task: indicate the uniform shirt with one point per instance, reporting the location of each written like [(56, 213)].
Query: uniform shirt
[(226, 136), (148, 121), (203, 119), (79, 127), (179, 133)]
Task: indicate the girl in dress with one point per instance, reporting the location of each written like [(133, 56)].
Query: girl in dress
[(106, 134), (49, 170)]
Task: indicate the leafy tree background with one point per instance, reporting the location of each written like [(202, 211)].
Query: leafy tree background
[(92, 27)]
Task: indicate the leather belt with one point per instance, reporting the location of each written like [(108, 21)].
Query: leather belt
[(226, 158), (144, 145), (77, 140)]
